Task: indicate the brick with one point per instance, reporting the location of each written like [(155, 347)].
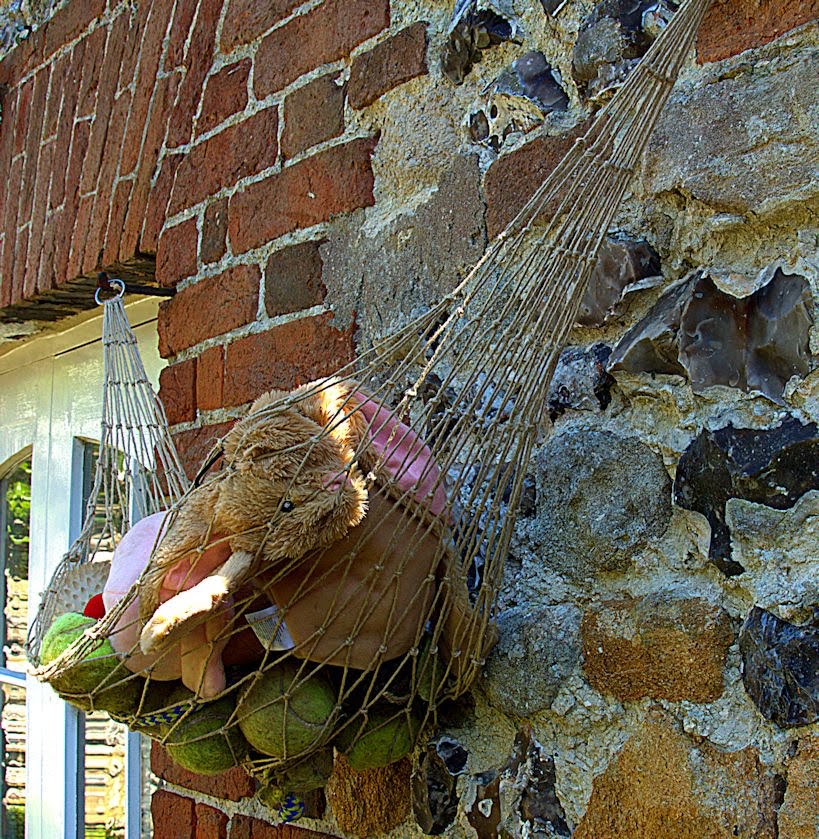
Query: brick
[(20, 247), (235, 784), (131, 48), (733, 26), (514, 178), (391, 63), (659, 646), (210, 823), (79, 145), (225, 95), (284, 357), (26, 91), (324, 34), (210, 379), (108, 169), (145, 85), (177, 391), (211, 307), (293, 279), (156, 211), (98, 150), (38, 216), (92, 71), (180, 28), (25, 56), (46, 278), (198, 61), (176, 253), (213, 244), (312, 114), (311, 191), (9, 115), (239, 151), (59, 69), (120, 205), (70, 21), (34, 134), (65, 128), (81, 248), (246, 20), (246, 827), (174, 816), (154, 133), (372, 802), (11, 278)]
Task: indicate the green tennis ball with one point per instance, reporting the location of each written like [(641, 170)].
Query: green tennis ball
[(312, 773), (202, 742), (387, 736), (80, 683), (284, 715)]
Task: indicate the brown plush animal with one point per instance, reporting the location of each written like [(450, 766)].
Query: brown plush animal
[(290, 509)]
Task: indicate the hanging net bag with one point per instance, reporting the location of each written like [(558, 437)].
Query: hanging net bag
[(332, 575), (137, 474)]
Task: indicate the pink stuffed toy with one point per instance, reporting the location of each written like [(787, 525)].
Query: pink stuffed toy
[(197, 657)]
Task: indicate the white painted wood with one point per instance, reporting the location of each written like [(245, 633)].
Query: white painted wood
[(50, 394)]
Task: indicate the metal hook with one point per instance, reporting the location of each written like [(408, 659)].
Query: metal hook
[(104, 283)]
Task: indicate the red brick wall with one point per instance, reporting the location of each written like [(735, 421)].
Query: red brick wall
[(184, 129)]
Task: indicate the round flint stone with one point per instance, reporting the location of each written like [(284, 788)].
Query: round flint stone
[(601, 499)]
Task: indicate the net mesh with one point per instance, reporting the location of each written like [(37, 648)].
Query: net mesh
[(331, 576)]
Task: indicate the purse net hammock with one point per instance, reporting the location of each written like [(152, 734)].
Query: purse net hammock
[(331, 577)]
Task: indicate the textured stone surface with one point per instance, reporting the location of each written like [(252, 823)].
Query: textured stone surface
[(662, 784), (580, 381), (663, 646), (370, 802), (434, 785), (518, 798), (537, 650), (731, 26), (756, 342), (601, 498), (611, 40), (292, 279), (473, 28), (410, 262), (799, 813), (755, 148), (621, 262), (780, 667), (773, 467)]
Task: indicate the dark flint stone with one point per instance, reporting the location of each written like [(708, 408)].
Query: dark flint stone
[(613, 37), (581, 381), (539, 804), (538, 82), (621, 262), (780, 667), (472, 30), (434, 793), (754, 343), (532, 772), (774, 467)]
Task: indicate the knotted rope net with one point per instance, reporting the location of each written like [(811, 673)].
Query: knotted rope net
[(331, 576)]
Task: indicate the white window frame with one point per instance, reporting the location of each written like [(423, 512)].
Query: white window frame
[(50, 395)]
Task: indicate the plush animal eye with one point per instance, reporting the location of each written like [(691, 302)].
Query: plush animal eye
[(287, 506)]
